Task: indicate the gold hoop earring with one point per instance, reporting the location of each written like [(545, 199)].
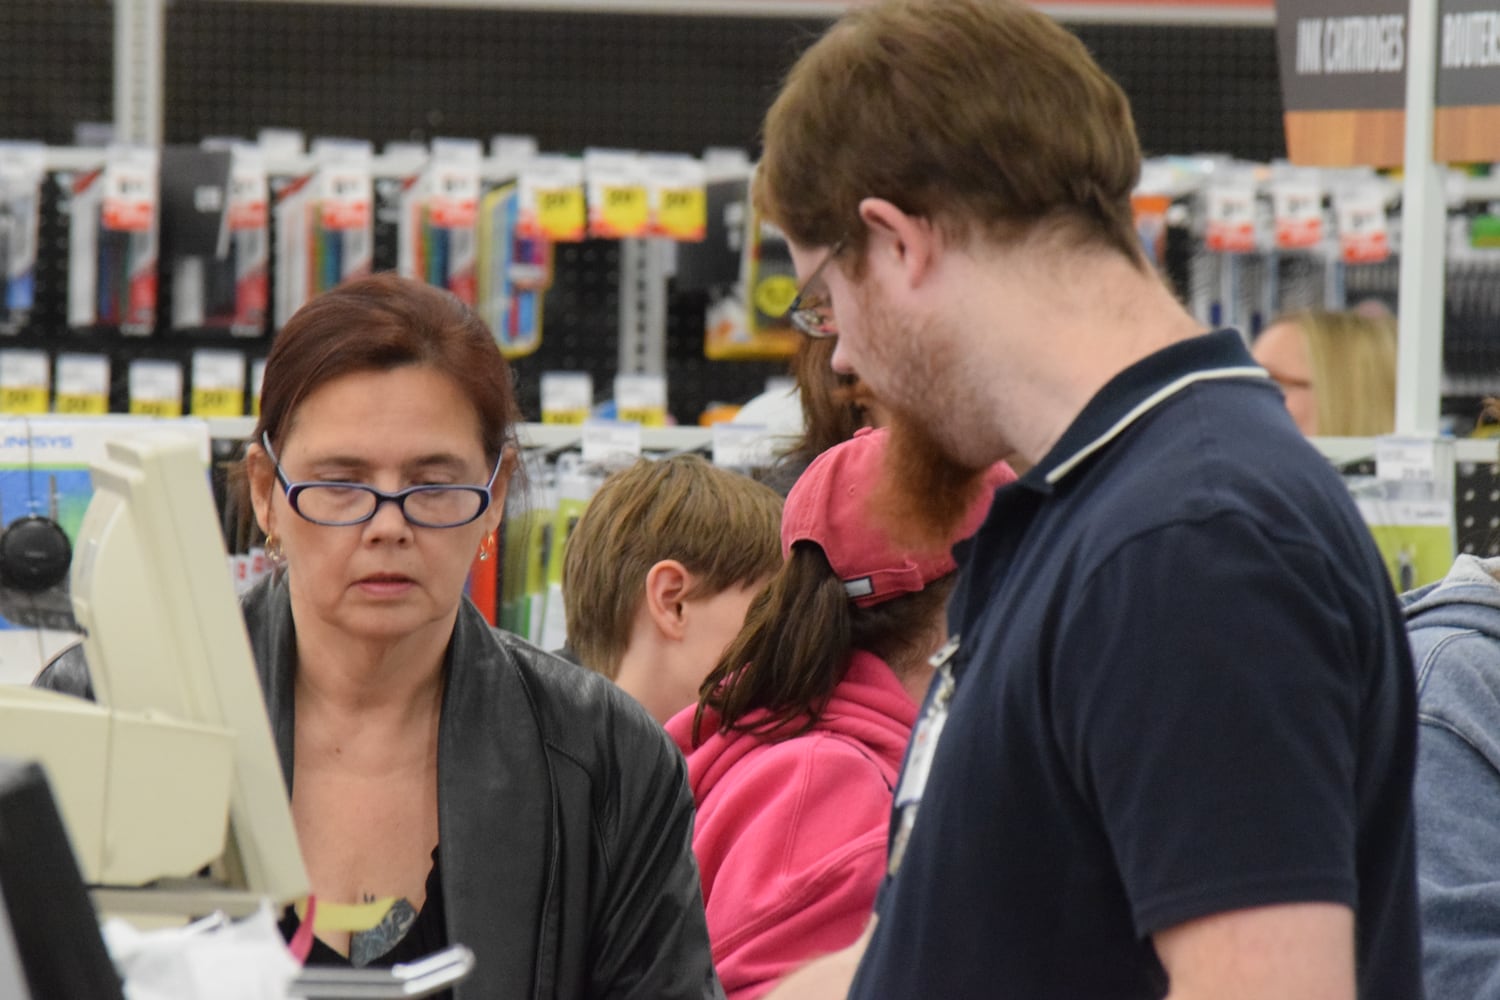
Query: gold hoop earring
[(273, 549)]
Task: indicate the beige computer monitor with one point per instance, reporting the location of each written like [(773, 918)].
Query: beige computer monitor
[(175, 766)]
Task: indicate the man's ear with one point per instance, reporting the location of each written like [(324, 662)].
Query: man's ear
[(261, 475), (909, 242), (667, 585)]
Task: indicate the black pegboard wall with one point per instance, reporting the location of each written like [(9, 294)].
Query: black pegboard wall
[(1196, 89), (56, 67), (580, 323), (668, 83), (1477, 508)]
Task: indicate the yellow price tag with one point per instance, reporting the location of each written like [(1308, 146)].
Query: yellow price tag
[(156, 407), (646, 416), (570, 417), (683, 214), (623, 213), (23, 399), (774, 294), (349, 917), (560, 213), (218, 403), (81, 403)]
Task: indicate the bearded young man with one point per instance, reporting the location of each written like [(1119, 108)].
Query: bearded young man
[(1172, 755)]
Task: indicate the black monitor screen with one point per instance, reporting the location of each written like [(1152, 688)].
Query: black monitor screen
[(51, 917)]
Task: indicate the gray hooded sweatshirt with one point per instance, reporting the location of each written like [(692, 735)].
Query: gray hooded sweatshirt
[(1455, 636)]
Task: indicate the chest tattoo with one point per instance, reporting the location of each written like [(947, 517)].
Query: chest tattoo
[(367, 946)]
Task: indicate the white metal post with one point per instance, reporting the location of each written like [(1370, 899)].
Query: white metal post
[(643, 307), (1419, 369), (139, 54)]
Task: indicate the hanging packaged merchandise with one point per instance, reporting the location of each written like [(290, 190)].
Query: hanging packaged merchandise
[(747, 320), (439, 210), (1149, 204), (618, 207), (195, 237), (1149, 211), (551, 199), (1409, 508), (325, 225), (112, 243), (22, 169), (676, 197), (1229, 210), (514, 268), (1363, 230), (1297, 207), (576, 486), (249, 240), (526, 551)]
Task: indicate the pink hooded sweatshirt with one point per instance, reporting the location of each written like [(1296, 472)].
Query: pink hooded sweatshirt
[(791, 836)]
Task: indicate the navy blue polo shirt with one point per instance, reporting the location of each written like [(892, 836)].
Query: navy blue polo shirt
[(1182, 687)]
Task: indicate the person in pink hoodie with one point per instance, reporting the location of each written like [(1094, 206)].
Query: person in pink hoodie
[(794, 750)]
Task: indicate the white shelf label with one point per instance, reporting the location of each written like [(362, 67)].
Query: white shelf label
[(25, 381), (82, 383), (567, 397), (741, 446), (1406, 459), (641, 399), (156, 388), (610, 440), (218, 384)]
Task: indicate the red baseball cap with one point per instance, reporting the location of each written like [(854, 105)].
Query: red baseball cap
[(829, 505)]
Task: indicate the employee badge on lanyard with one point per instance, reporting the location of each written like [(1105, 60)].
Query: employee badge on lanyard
[(923, 747)]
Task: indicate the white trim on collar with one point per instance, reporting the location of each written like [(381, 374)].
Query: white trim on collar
[(1145, 406)]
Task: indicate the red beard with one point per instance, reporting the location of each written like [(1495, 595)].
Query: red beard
[(923, 496)]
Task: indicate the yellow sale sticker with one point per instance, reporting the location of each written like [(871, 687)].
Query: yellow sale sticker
[(218, 403), (81, 403), (156, 407), (646, 416), (23, 399), (682, 214), (622, 213), (570, 417), (560, 214)]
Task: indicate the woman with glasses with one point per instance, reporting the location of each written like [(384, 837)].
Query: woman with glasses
[(449, 782)]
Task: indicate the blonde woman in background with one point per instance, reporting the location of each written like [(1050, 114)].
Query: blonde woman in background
[(1336, 369)]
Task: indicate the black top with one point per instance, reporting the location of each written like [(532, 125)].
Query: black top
[(564, 808), (1183, 687), (427, 934)]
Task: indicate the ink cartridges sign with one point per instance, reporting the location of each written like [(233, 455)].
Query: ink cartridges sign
[(1343, 81)]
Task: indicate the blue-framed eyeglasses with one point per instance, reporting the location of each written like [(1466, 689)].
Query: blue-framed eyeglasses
[(337, 505), (812, 311)]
